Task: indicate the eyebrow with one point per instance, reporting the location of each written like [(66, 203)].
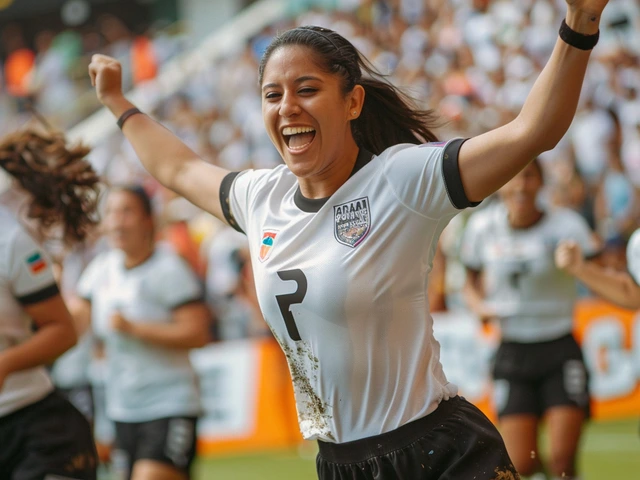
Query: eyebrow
[(297, 80)]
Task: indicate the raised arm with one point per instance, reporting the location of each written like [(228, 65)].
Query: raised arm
[(490, 160), (164, 155)]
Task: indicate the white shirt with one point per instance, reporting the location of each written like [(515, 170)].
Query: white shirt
[(633, 256), (144, 381), (25, 278), (533, 299), (342, 283)]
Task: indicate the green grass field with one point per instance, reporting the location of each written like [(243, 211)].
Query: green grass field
[(609, 451)]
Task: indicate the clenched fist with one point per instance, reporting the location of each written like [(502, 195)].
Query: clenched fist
[(568, 256), (106, 76)]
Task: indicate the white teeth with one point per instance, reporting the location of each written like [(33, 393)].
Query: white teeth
[(297, 130)]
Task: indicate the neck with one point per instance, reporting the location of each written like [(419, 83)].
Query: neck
[(137, 257), (327, 182), (525, 220)]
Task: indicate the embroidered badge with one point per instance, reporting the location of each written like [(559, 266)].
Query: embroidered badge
[(266, 244), (352, 221), (36, 263)]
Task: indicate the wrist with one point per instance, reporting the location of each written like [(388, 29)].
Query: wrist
[(583, 22), (117, 104)]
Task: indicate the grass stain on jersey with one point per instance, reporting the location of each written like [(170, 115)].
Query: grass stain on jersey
[(316, 412)]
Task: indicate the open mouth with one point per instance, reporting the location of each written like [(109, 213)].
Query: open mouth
[(298, 138)]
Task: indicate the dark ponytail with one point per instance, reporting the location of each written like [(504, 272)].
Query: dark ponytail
[(62, 183), (388, 116)]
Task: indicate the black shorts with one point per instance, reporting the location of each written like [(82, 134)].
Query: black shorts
[(82, 399), (455, 442), (166, 440), (47, 439), (532, 377)]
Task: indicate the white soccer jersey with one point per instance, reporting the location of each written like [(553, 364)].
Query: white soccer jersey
[(342, 284), (25, 278), (144, 381), (533, 299), (633, 256)]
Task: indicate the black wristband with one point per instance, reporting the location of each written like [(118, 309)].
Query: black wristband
[(123, 118), (578, 40)]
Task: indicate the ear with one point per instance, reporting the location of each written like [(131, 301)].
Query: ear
[(356, 102)]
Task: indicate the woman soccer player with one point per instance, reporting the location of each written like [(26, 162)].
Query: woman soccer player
[(539, 370), (622, 288), (342, 236), (53, 190), (146, 304)]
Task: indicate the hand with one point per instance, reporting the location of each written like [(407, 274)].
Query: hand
[(486, 314), (121, 324), (106, 76), (568, 257), (592, 7), (583, 16)]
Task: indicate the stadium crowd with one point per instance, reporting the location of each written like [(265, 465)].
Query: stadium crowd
[(473, 61)]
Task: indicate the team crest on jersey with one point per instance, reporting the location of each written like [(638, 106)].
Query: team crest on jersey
[(352, 221), (266, 244)]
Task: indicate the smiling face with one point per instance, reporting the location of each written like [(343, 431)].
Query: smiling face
[(521, 192), (307, 114), (127, 225)]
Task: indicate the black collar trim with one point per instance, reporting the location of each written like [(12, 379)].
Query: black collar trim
[(313, 205)]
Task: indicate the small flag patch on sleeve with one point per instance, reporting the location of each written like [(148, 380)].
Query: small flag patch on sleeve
[(36, 263)]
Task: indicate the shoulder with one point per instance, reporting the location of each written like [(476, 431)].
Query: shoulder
[(264, 177), (104, 259), (410, 151), (13, 236), (562, 217), (166, 260)]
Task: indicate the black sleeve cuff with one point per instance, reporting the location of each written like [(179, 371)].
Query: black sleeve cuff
[(41, 295), (225, 190), (451, 173), (187, 302)]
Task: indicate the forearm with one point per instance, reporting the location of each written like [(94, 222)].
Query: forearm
[(552, 102), (160, 151), (48, 343), (490, 160), (171, 335), (617, 287)]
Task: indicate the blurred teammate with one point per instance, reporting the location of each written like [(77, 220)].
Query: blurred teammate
[(146, 305), (342, 237), (53, 194), (622, 288), (539, 370)]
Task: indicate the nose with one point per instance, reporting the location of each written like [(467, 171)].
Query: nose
[(289, 105)]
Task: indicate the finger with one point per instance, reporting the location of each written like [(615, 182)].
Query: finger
[(92, 74)]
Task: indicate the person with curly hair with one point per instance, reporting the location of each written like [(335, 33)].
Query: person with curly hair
[(52, 196)]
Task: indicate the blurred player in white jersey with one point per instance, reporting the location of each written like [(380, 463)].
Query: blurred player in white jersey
[(146, 304), (622, 288), (539, 370), (343, 235), (53, 194)]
